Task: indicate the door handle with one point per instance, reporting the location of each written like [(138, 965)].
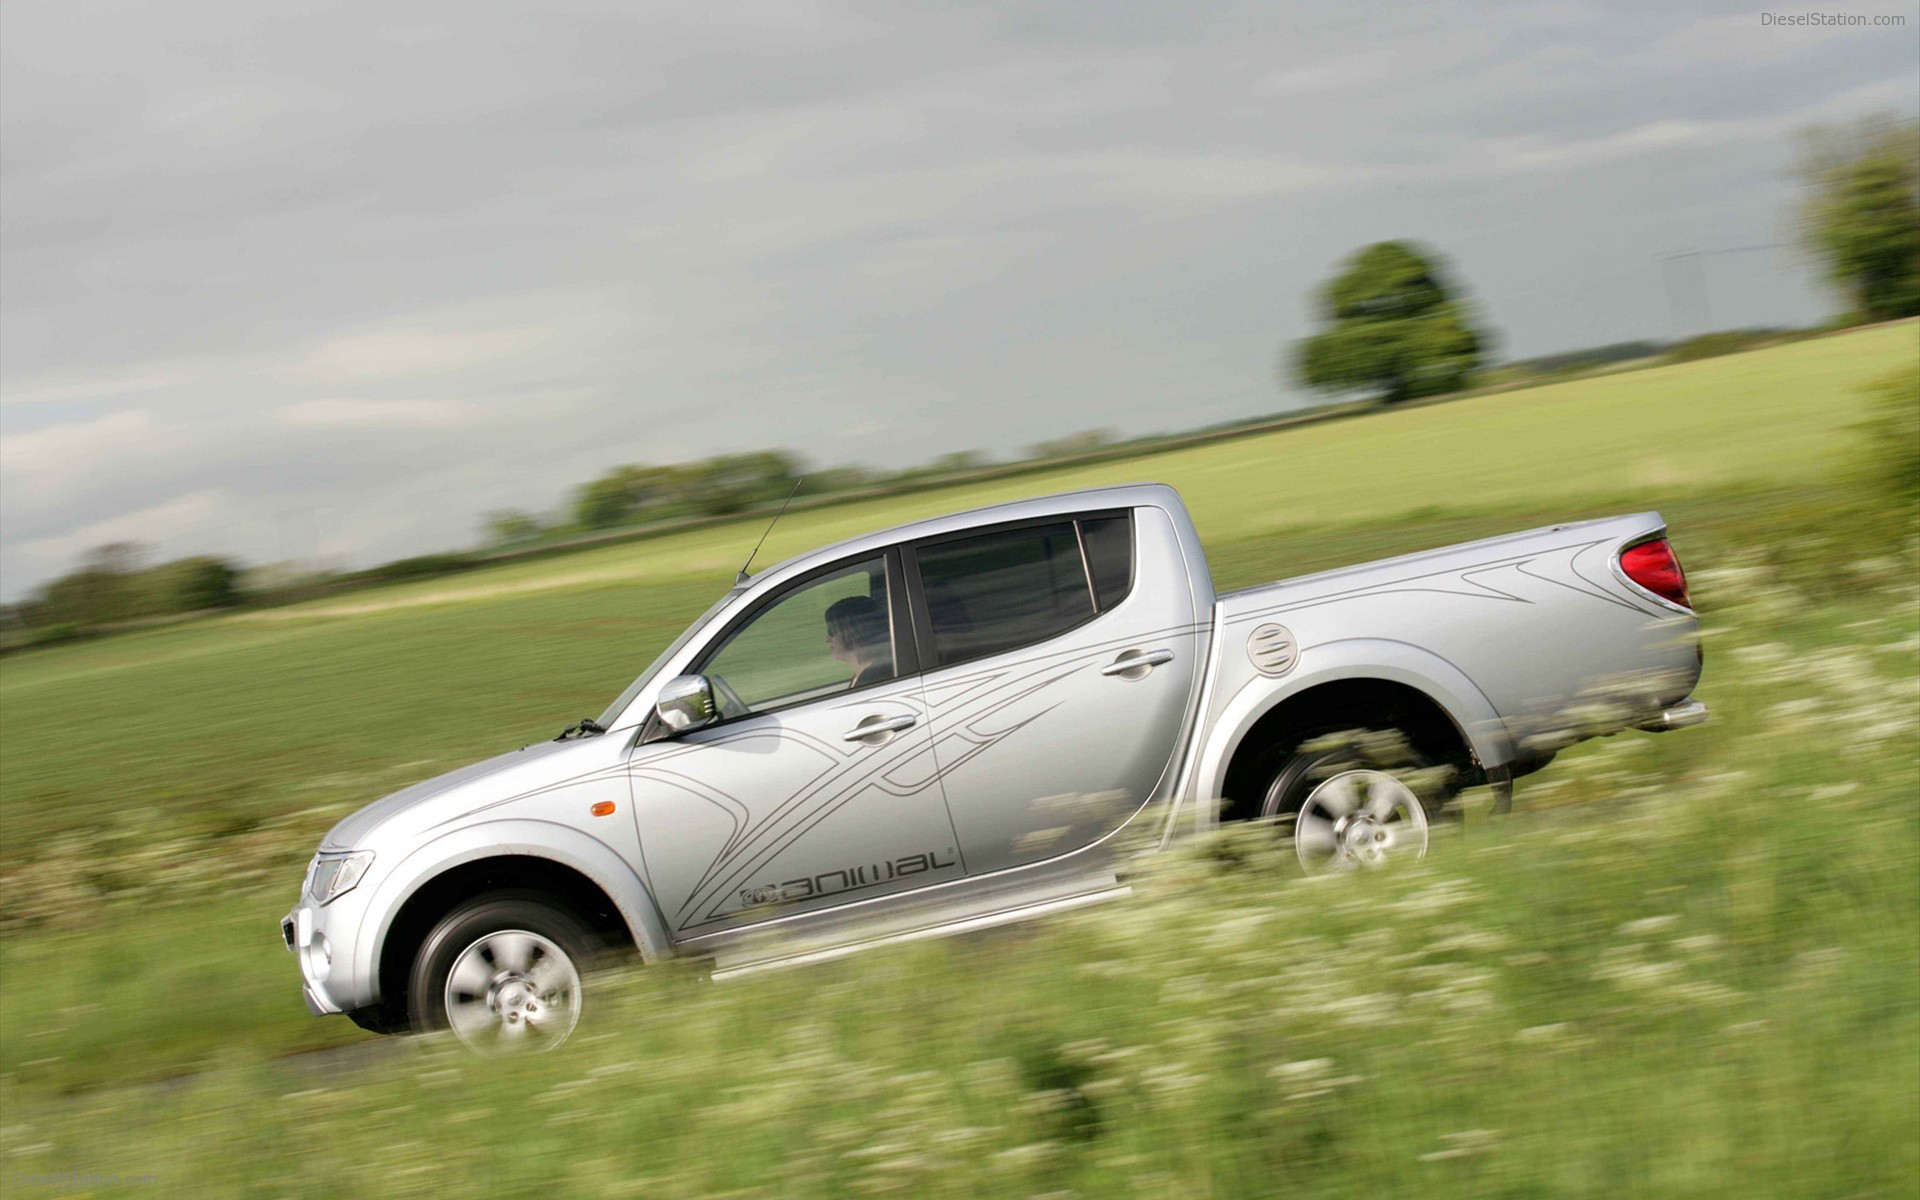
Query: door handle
[(875, 727), (1134, 664)]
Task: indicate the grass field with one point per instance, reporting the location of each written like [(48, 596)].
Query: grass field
[(1688, 966)]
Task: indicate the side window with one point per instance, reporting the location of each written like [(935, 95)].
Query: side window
[(1000, 591), (831, 634), (1109, 543)]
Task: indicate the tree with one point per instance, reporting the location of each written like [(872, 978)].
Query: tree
[(1087, 441), (726, 483), (850, 478), (629, 493), (1861, 215), (601, 503), (1397, 330), (730, 483), (190, 584), (955, 462), (505, 526), (111, 586), (103, 590)]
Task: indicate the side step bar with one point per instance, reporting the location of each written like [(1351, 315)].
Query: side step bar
[(775, 955)]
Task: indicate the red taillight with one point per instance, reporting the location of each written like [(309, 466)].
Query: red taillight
[(1653, 566)]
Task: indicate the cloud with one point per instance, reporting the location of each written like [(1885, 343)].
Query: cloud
[(55, 389), (345, 412), (1542, 153), (392, 355), (169, 523), (1156, 179), (71, 452)]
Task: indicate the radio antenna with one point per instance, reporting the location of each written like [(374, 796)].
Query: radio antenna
[(742, 577)]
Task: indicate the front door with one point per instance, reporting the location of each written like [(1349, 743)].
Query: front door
[(817, 785), (1059, 666)]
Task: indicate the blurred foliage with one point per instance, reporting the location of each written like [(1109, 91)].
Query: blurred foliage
[(727, 483), (1726, 341), (627, 493), (953, 462), (1087, 441), (1591, 357), (1399, 329), (830, 480), (421, 566), (114, 587), (511, 526), (1893, 435), (195, 584), (1861, 215), (1568, 364)]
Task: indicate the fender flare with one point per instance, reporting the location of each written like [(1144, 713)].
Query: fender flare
[(1356, 658), (530, 838)]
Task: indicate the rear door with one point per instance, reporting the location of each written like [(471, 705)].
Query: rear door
[(1060, 659)]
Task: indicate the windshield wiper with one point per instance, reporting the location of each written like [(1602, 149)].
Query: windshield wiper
[(586, 728)]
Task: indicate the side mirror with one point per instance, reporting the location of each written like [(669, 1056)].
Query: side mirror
[(686, 702)]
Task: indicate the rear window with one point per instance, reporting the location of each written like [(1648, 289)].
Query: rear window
[(1001, 591)]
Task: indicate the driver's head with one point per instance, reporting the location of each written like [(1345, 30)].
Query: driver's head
[(856, 628)]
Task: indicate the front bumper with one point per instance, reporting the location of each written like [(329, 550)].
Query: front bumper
[(315, 956)]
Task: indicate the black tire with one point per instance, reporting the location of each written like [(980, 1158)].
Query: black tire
[(467, 924), (1297, 769)]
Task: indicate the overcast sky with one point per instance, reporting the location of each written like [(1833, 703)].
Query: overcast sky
[(335, 282)]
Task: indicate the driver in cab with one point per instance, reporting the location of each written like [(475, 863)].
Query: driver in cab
[(857, 636)]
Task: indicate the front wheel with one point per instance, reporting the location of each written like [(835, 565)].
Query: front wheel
[(503, 971), (1347, 813)]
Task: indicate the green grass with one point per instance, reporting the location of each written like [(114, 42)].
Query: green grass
[(154, 996), (161, 791)]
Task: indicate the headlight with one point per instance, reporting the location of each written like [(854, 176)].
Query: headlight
[(334, 875)]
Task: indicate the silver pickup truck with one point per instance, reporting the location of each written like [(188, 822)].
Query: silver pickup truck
[(944, 726)]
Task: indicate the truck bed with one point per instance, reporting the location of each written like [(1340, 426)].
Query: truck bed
[(1505, 631)]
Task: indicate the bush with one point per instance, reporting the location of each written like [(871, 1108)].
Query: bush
[(421, 567), (54, 635), (190, 585), (1893, 435), (1727, 341)]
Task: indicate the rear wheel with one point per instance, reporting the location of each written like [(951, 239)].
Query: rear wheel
[(1349, 806), (504, 972)]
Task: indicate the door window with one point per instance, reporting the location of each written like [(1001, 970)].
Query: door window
[(831, 634), (1109, 546), (1000, 591)]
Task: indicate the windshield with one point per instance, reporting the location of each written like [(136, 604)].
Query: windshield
[(619, 706)]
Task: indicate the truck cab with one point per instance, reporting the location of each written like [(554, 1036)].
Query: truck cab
[(951, 700)]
